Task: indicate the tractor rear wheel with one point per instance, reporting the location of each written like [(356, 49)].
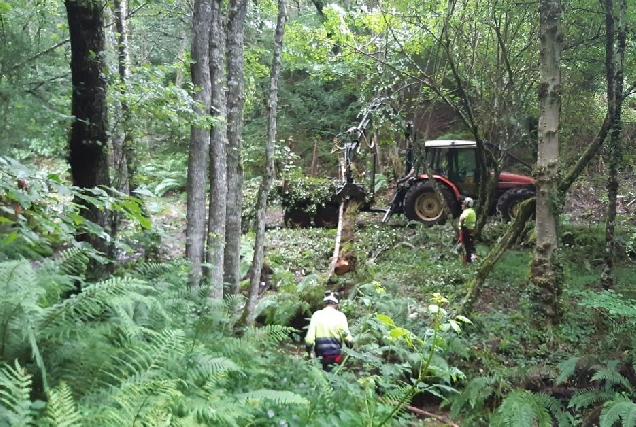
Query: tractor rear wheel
[(327, 216), (422, 204), (297, 218), (508, 203)]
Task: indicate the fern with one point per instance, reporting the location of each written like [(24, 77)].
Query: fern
[(589, 397), (15, 399), (61, 320), (621, 408), (522, 408), (205, 367), (567, 369), (475, 394), (612, 377), (19, 312), (61, 410), (280, 397)]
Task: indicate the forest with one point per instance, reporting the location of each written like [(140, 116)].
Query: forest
[(182, 181)]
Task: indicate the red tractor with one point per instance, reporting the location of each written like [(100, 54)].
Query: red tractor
[(455, 172)]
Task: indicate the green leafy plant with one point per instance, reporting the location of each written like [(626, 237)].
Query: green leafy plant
[(522, 408), (620, 409), (307, 194)]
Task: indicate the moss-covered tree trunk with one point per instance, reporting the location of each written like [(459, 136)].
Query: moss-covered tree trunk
[(515, 230), (545, 270), (614, 62)]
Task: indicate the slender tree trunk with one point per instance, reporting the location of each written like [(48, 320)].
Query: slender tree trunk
[(88, 143), (235, 83), (512, 234), (129, 161), (614, 63), (218, 156), (546, 274), (199, 139), (249, 314), (314, 160)]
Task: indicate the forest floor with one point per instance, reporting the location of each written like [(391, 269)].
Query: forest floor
[(504, 342)]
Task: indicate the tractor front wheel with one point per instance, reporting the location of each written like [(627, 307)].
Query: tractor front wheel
[(422, 204)]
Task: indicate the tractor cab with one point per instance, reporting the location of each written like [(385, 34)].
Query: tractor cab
[(456, 160)]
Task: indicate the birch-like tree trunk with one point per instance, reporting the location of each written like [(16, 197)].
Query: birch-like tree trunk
[(88, 142), (615, 39), (546, 273), (235, 97), (199, 139), (249, 314), (218, 156), (129, 164)]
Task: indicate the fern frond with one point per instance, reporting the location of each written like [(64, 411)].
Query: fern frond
[(280, 397), (270, 335), (523, 409), (59, 275), (146, 403), (72, 261), (149, 359), (15, 396), (214, 408), (475, 394), (61, 410), (589, 397), (567, 369), (93, 301), (622, 408), (207, 367), (612, 377), (19, 311)]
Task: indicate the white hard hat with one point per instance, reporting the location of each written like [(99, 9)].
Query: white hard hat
[(331, 297), (468, 201)]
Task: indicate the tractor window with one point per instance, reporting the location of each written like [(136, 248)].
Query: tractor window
[(437, 160), (467, 164)]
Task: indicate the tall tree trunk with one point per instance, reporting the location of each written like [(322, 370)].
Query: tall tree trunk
[(249, 314), (199, 139), (235, 89), (88, 152), (614, 63), (546, 272), (218, 156), (128, 158)]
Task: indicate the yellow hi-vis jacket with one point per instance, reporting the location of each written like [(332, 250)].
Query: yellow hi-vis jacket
[(327, 328), (468, 218)]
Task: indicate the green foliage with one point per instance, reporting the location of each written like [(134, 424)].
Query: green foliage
[(37, 220), (164, 174), (307, 193), (611, 380), (615, 310), (622, 408), (15, 400), (524, 409), (61, 409)]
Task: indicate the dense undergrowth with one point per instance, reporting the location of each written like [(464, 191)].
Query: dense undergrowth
[(140, 348)]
